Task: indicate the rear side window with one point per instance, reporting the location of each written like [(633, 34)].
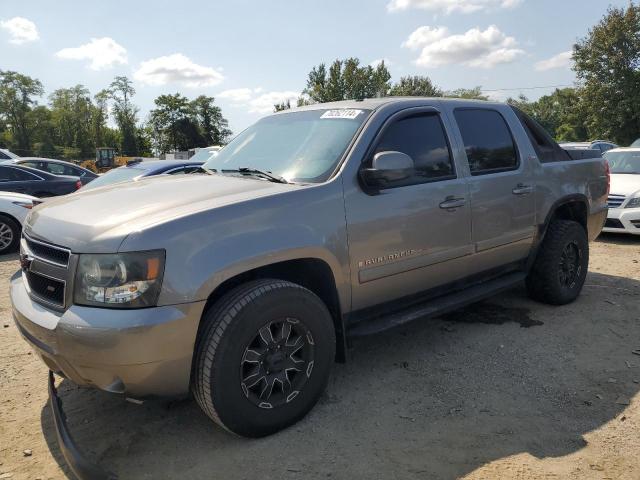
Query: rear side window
[(4, 156), (546, 147), (487, 141), (8, 174), (422, 137)]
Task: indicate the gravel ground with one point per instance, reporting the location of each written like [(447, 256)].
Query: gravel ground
[(504, 389)]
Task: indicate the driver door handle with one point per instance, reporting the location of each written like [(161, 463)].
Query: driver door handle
[(522, 189), (452, 202)]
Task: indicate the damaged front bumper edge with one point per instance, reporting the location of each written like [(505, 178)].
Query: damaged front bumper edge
[(81, 467)]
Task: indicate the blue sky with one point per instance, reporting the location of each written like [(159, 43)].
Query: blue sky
[(250, 54)]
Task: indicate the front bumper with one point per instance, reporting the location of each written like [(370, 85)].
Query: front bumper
[(139, 353), (81, 467), (623, 220)]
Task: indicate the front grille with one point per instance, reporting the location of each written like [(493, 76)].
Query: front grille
[(614, 201), (613, 223), (47, 252), (46, 288)]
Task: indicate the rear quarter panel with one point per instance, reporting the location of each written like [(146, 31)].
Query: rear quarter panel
[(573, 179)]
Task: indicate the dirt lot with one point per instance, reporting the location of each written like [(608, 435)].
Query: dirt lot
[(505, 389)]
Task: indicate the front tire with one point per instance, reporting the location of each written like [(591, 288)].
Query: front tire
[(9, 234), (560, 268), (263, 357)]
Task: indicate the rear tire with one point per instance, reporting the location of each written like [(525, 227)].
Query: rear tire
[(263, 357), (560, 268), (9, 234)]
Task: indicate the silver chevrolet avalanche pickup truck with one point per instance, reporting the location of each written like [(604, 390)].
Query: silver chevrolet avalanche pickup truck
[(314, 225)]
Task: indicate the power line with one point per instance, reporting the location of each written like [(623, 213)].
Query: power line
[(523, 88)]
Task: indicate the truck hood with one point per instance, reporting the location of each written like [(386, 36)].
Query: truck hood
[(624, 184), (98, 220)]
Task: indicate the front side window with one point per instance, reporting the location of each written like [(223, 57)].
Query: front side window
[(422, 137), (303, 146), (487, 141)]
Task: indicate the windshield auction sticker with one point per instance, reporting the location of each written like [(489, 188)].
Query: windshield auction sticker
[(349, 114)]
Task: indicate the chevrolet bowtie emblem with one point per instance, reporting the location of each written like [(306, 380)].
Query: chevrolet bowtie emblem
[(25, 262)]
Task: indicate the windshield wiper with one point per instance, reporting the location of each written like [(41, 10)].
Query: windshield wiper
[(261, 173)]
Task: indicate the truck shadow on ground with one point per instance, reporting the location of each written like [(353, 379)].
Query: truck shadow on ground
[(435, 399)]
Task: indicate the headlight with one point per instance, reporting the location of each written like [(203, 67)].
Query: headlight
[(634, 202), (121, 280)]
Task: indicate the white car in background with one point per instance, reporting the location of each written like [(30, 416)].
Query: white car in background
[(624, 199), (7, 155), (14, 208)]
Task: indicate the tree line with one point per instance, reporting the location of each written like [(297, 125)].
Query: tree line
[(604, 103), (73, 123)]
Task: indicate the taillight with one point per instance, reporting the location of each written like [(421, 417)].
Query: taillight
[(78, 184), (607, 170)]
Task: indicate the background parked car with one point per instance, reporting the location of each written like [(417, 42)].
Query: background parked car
[(624, 199), (21, 179), (14, 208), (137, 170), (7, 155), (600, 145), (58, 167), (636, 144)]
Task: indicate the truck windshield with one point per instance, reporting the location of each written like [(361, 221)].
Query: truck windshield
[(624, 162), (298, 146)]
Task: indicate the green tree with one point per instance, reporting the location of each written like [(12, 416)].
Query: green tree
[(415, 86), (279, 107), (467, 93), (560, 113), (125, 113), (346, 80), (171, 123), (72, 115), (607, 64), (214, 128), (17, 98)]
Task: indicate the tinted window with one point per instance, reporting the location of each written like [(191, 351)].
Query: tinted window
[(176, 171), (546, 147), (421, 137), (32, 165), (487, 141), (4, 156), (55, 168), (8, 174)]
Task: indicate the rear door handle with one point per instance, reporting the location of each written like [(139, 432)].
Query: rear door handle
[(452, 202), (522, 189)]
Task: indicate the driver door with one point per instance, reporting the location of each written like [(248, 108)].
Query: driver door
[(414, 234)]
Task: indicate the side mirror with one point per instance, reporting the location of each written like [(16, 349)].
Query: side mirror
[(387, 167)]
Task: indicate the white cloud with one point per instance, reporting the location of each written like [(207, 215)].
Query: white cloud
[(475, 48), (424, 36), (256, 100), (102, 53), (265, 102), (561, 60), (378, 61), (451, 6), (237, 95), (21, 30), (179, 69)]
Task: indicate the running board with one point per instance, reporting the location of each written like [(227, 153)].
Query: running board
[(437, 306)]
